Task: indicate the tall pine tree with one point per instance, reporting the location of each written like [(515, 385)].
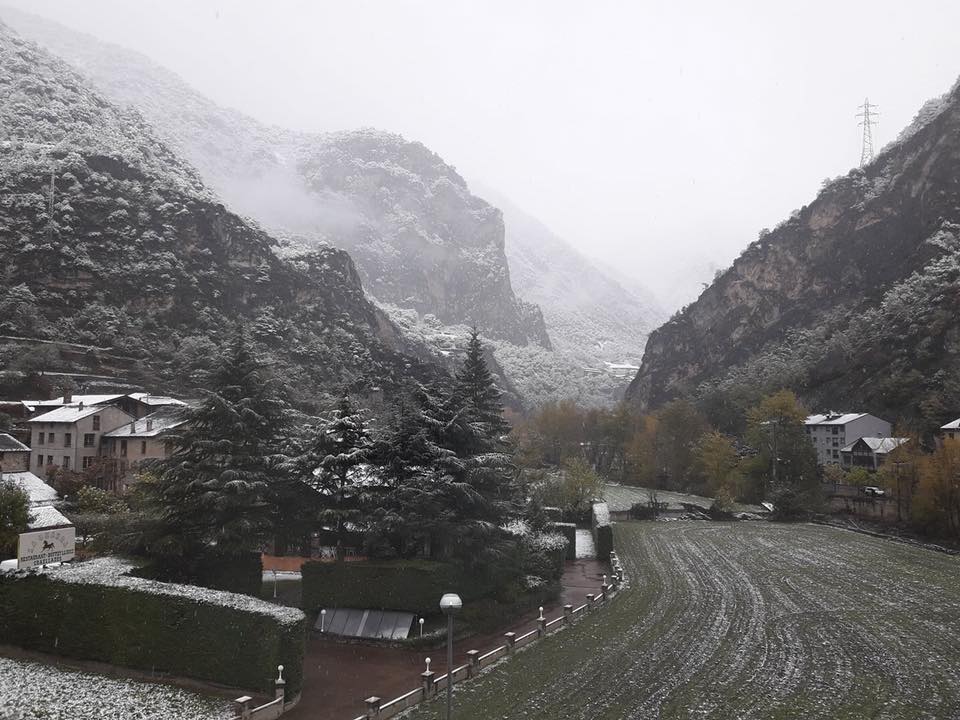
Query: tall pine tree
[(215, 491)]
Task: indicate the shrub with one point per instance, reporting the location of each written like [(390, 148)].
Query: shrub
[(602, 530), (408, 585), (97, 611), (569, 531), (238, 573)]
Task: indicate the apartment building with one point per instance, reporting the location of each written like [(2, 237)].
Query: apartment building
[(831, 432), (70, 436)]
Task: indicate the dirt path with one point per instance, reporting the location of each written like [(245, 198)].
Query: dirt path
[(747, 620), (338, 676)]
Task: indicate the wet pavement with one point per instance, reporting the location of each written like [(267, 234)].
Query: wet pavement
[(340, 675)]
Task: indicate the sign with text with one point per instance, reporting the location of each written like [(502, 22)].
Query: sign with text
[(44, 547)]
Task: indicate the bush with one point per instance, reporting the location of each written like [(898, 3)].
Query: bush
[(238, 573), (569, 531), (407, 585), (97, 611), (602, 530)]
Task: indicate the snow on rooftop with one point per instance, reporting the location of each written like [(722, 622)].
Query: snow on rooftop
[(68, 414), (47, 516), (113, 571), (74, 400), (880, 446), (8, 443), (40, 493), (952, 425), (150, 425), (31, 691), (833, 418), (148, 399)]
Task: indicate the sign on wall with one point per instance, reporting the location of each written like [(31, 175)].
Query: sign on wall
[(46, 546)]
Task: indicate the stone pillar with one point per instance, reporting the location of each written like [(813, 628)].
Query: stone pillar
[(474, 657), (373, 707), (604, 589), (567, 614), (428, 687), (589, 601), (510, 637), (541, 624), (243, 705)]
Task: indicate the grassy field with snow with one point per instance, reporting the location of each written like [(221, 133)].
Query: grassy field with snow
[(746, 620)]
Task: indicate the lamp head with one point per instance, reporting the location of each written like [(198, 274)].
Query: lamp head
[(451, 604)]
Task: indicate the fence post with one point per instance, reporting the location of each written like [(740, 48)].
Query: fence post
[(373, 707), (541, 624), (474, 657), (244, 706), (279, 686), (590, 601), (426, 678), (510, 638), (567, 614)]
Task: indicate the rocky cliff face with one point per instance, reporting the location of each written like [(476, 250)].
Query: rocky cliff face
[(136, 255), (419, 238), (852, 301)]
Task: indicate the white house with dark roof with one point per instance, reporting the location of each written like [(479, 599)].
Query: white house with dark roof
[(831, 432), (870, 452), (14, 455), (70, 436)]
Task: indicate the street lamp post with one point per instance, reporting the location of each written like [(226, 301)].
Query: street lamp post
[(450, 604)]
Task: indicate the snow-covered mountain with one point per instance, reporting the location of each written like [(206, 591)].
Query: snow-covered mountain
[(590, 315)]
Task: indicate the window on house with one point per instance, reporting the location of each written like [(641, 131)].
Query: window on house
[(143, 447), (123, 448), (67, 439), (836, 430), (87, 461), (39, 461), (66, 462), (39, 440), (96, 422), (49, 459), (836, 454), (89, 440), (50, 438)]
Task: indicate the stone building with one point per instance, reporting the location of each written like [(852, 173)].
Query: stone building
[(14, 455), (70, 436)]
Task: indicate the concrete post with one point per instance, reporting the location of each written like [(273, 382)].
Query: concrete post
[(426, 678), (474, 657), (373, 707), (243, 704), (589, 601), (541, 624), (567, 614), (603, 591), (510, 637)]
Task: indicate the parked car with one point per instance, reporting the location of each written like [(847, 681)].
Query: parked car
[(875, 491)]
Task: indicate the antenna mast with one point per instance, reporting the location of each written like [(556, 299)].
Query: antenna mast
[(868, 120)]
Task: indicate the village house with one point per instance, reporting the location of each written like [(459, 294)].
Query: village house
[(14, 455), (870, 452), (43, 513), (132, 444), (950, 431), (831, 432), (70, 436), (137, 404)]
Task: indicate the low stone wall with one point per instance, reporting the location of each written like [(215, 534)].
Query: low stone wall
[(431, 685)]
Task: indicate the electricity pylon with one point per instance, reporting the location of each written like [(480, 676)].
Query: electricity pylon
[(868, 120)]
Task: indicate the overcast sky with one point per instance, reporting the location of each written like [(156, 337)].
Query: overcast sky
[(653, 136)]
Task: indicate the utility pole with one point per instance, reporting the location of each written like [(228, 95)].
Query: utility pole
[(868, 120), (53, 189)]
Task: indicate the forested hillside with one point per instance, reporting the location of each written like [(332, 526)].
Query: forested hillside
[(852, 301), (420, 239), (136, 256)]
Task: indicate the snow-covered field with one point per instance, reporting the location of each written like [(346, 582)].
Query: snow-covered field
[(746, 620), (621, 498), (32, 691)]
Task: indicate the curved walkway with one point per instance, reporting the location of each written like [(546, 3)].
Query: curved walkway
[(746, 620)]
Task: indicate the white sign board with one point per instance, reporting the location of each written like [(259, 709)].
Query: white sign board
[(44, 547)]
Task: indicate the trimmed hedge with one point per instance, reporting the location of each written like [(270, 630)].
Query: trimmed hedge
[(569, 531), (241, 573), (602, 530), (95, 611), (408, 585)]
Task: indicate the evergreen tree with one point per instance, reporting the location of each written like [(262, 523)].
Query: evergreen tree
[(476, 395), (216, 490), (333, 465)]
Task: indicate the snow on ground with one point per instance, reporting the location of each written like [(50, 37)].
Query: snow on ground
[(621, 498), (749, 621), (32, 691), (585, 547)]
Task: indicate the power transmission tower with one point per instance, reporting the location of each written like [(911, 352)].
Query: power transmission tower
[(868, 121)]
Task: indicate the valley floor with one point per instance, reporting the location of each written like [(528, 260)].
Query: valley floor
[(746, 620)]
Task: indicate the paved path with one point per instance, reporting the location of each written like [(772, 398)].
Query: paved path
[(747, 621), (338, 675)]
